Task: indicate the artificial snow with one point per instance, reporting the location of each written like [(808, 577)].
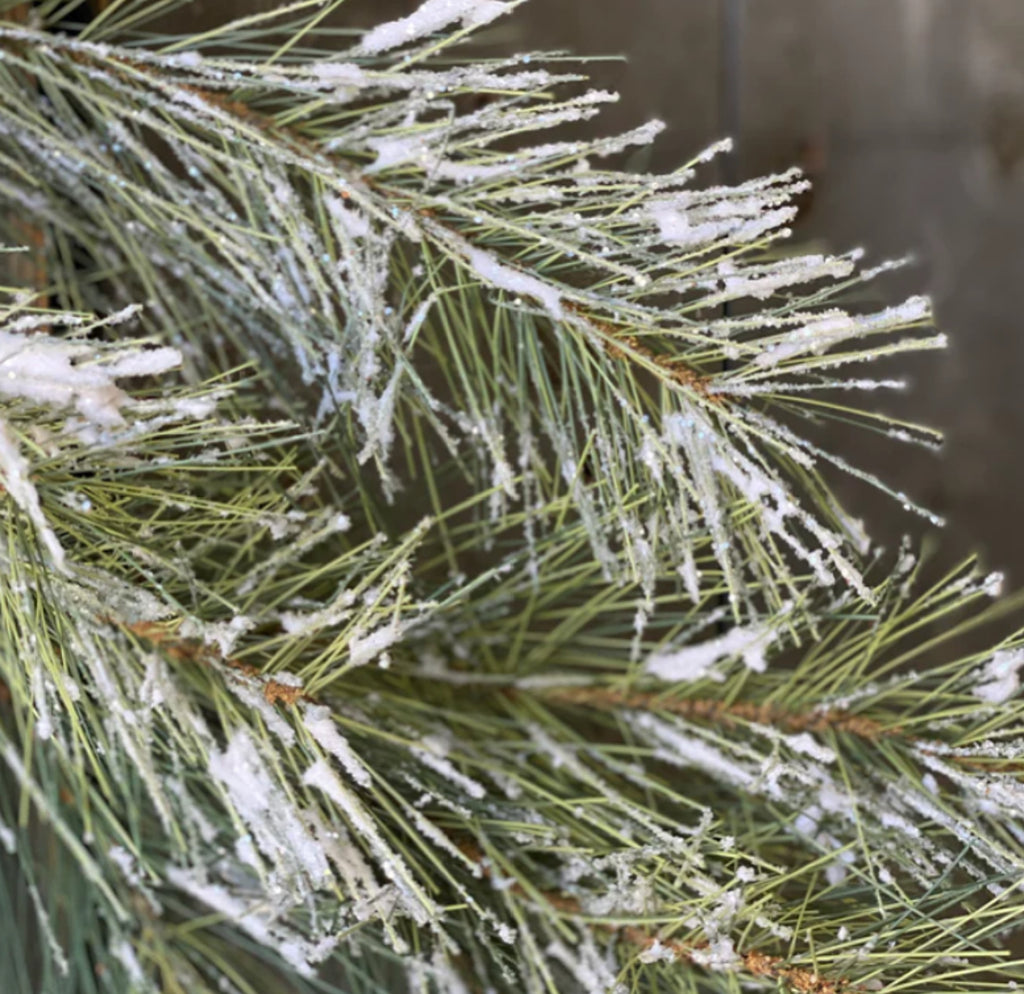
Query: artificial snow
[(364, 649), (1000, 676), (656, 952), (695, 662), (67, 373), (413, 902), (15, 479), (674, 745), (838, 326), (339, 73), (433, 754), (503, 277), (222, 634), (8, 839), (123, 951), (321, 725), (431, 16), (251, 915), (270, 815)]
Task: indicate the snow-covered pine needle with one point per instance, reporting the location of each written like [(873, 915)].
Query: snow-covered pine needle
[(429, 588)]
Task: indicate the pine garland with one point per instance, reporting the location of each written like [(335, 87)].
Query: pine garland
[(412, 580)]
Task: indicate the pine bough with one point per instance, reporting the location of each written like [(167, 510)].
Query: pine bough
[(414, 578)]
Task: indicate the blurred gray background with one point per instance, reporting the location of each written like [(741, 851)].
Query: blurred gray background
[(909, 115)]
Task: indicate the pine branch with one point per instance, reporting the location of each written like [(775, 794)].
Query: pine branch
[(754, 963), (466, 234), (531, 651)]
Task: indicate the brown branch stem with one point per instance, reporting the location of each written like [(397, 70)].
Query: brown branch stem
[(165, 639), (725, 713)]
